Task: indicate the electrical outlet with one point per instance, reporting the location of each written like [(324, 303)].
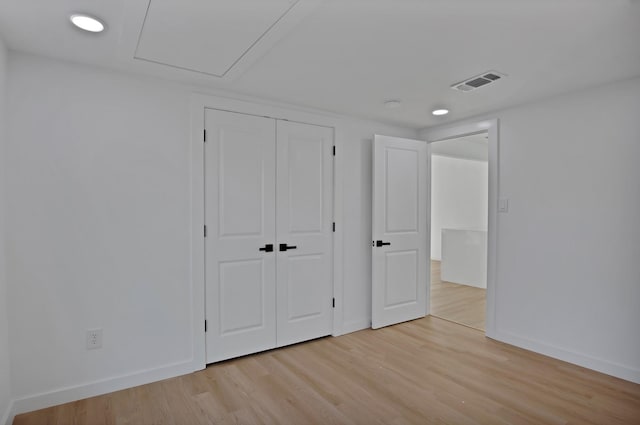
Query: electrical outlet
[(94, 339)]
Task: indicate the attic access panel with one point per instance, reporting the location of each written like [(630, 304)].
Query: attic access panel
[(206, 36)]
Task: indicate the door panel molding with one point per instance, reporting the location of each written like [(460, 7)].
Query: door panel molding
[(400, 249), (305, 187), (240, 278)]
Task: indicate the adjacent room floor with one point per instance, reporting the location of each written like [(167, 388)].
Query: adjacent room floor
[(462, 304), (420, 372)]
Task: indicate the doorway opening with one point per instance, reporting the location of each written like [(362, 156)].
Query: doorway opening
[(459, 212)]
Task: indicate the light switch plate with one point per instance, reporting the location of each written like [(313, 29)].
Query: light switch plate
[(503, 205)]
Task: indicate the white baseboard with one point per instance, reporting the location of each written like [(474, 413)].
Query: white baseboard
[(78, 392), (610, 368), (356, 325), (7, 418)]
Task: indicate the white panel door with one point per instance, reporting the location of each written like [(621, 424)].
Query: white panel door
[(240, 219), (304, 231), (400, 217)]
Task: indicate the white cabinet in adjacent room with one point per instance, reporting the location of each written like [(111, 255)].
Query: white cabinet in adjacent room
[(464, 257)]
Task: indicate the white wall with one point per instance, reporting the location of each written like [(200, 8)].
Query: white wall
[(99, 227), (459, 196), (5, 371), (569, 166)]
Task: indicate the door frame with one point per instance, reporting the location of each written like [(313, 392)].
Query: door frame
[(491, 126), (198, 103)]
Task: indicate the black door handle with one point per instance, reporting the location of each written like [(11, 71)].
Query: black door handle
[(380, 243), (267, 248), (284, 247)]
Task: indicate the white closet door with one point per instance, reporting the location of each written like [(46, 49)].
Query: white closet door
[(304, 221), (400, 217), (240, 219)]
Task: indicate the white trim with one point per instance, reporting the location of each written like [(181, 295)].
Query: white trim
[(103, 386), (610, 368), (338, 235), (458, 130), (200, 102), (428, 310), (356, 325), (197, 237), (7, 418)]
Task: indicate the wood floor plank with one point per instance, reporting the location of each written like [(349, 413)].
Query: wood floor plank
[(428, 371), (461, 304)]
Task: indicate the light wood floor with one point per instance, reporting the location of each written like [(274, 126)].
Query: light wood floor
[(459, 303), (428, 371)]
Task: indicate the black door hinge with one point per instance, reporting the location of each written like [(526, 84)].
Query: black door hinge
[(205, 325), (333, 304), (205, 231), (334, 151), (205, 135), (334, 226)]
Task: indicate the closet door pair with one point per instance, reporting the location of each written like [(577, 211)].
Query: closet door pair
[(268, 216)]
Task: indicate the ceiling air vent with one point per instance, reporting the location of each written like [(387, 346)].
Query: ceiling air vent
[(478, 81)]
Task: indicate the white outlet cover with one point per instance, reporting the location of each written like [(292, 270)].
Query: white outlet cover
[(94, 339)]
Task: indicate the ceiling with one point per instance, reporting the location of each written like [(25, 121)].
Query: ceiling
[(349, 56), (474, 147)]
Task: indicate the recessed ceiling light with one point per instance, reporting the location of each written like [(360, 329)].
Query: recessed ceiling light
[(87, 23), (439, 112), (392, 104)]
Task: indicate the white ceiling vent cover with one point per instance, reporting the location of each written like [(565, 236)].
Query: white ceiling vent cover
[(478, 81)]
